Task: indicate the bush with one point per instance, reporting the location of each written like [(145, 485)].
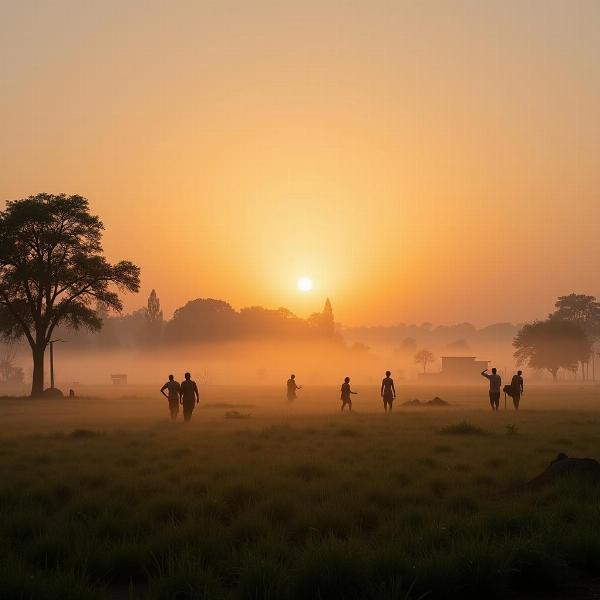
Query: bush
[(462, 428)]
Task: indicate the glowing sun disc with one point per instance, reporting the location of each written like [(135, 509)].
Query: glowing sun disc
[(305, 284)]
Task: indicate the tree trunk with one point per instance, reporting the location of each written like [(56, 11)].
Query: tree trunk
[(37, 383)]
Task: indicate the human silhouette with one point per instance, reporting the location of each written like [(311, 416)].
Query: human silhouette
[(292, 386), (495, 385), (189, 396), (345, 395), (388, 391), (173, 388), (516, 384)]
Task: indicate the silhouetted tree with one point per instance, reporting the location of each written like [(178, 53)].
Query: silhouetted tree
[(52, 271), (153, 312), (154, 319), (203, 319), (552, 344), (583, 310), (424, 357), (323, 322), (257, 321), (328, 326)]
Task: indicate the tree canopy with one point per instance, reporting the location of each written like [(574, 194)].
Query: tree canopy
[(581, 309), (552, 344), (53, 272)]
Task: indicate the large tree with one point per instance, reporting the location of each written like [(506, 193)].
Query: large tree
[(552, 344), (323, 322), (52, 272), (583, 310), (154, 321)]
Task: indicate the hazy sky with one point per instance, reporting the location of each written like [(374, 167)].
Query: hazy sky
[(419, 160)]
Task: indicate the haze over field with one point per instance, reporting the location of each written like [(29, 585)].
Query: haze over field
[(422, 161)]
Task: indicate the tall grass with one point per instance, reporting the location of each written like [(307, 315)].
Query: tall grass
[(313, 507)]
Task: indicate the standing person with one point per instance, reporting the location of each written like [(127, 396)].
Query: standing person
[(292, 386), (345, 396), (495, 386), (388, 391), (173, 396), (189, 396), (516, 384)]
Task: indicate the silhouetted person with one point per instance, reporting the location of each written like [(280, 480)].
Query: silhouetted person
[(189, 396), (388, 391), (345, 396), (292, 386), (495, 385), (516, 384), (174, 389)]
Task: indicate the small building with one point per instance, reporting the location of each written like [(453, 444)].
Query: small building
[(457, 369), (119, 379)]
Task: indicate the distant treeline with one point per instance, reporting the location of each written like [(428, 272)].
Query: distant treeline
[(461, 338), (213, 320), (203, 320)]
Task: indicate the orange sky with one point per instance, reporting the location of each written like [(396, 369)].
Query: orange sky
[(421, 161)]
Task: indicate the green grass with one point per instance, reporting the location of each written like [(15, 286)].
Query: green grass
[(291, 505)]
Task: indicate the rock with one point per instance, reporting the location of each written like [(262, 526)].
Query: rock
[(53, 393), (563, 466)]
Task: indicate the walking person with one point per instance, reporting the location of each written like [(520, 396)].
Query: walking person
[(345, 395), (516, 384), (388, 392), (495, 387), (174, 389), (189, 396), (292, 386)]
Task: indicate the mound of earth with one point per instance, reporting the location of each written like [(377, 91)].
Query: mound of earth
[(53, 393), (415, 402), (563, 466), (437, 401)]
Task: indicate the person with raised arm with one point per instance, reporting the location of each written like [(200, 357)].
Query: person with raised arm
[(495, 387)]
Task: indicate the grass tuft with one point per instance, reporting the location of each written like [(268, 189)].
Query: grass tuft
[(462, 428)]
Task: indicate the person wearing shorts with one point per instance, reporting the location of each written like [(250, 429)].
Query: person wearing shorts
[(388, 391), (517, 388), (346, 393), (495, 387), (189, 397), (173, 389)]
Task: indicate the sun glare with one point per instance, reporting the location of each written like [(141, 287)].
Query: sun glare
[(305, 284)]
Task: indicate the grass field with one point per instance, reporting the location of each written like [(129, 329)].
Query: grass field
[(103, 497)]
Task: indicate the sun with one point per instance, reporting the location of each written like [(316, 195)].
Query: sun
[(305, 284)]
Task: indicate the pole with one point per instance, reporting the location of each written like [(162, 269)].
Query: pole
[(52, 365), (51, 343)]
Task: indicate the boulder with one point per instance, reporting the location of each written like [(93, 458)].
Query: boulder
[(563, 466)]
